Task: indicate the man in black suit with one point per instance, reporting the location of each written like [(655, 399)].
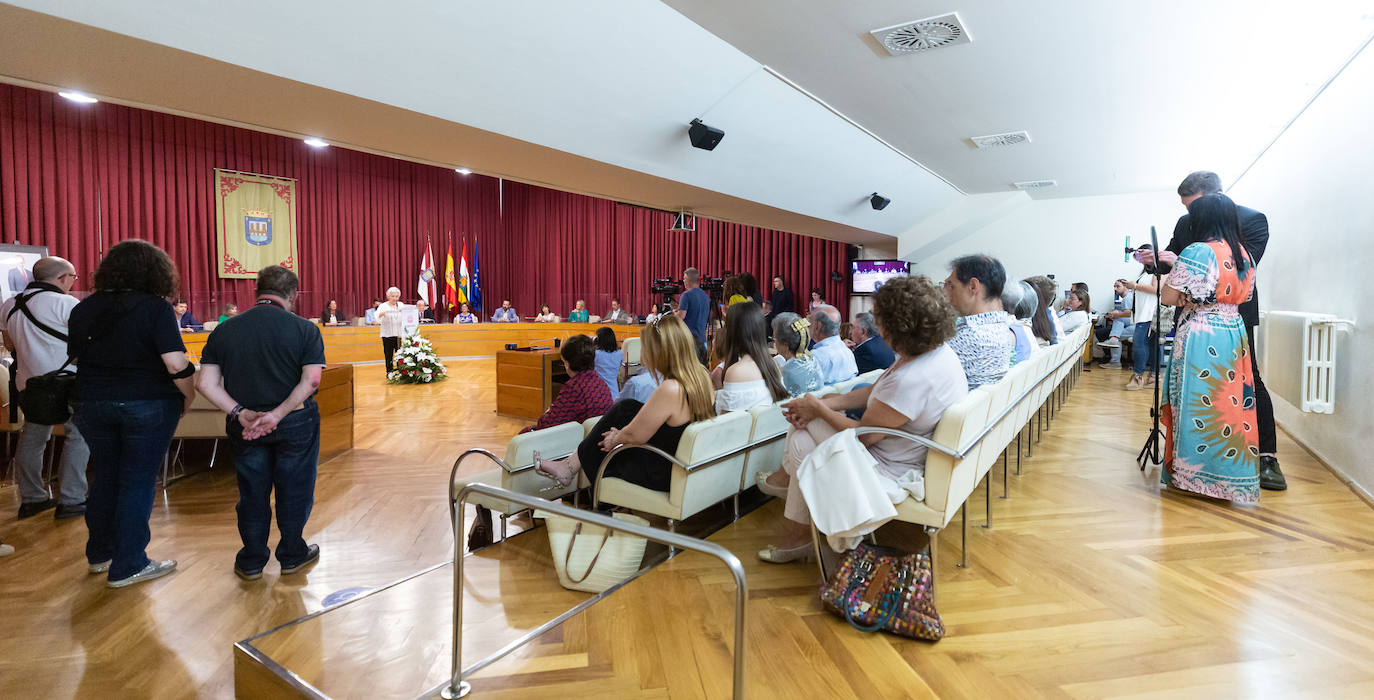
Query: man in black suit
[(870, 352), (1254, 235)]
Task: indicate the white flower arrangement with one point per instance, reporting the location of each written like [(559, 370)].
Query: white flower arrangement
[(416, 363)]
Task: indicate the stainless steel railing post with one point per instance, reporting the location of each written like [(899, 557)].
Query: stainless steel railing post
[(457, 687)]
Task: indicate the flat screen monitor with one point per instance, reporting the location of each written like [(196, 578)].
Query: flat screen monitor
[(865, 276)]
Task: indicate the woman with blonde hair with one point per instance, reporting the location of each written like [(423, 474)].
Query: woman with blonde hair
[(682, 397)]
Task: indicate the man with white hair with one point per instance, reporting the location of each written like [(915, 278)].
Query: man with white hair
[(835, 359), (34, 323), (870, 352)]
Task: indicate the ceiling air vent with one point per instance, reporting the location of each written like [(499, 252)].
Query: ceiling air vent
[(1035, 184), (922, 35), (1011, 138)]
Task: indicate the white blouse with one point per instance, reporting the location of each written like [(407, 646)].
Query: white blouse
[(393, 325), (742, 396)]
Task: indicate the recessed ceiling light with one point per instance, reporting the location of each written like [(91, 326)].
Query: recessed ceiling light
[(462, 171), (78, 97), (317, 143)]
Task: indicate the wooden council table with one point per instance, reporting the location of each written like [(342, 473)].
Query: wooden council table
[(352, 344)]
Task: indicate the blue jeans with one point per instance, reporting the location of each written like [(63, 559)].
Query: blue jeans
[(128, 440), (1140, 349), (286, 460)]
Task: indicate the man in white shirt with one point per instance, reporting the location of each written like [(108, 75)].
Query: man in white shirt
[(34, 323), (616, 314), (835, 358)]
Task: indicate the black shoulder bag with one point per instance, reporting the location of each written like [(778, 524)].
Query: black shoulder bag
[(46, 398)]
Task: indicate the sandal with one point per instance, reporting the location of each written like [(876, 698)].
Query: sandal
[(761, 481), (774, 554), (560, 483)]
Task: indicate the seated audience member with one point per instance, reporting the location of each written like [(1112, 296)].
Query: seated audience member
[(616, 314), (585, 394), (579, 313), (332, 316), (981, 340), (546, 315), (370, 316), (1076, 311), (505, 314), (926, 378), (1044, 324), (1119, 318), (768, 319), (185, 320), (641, 386), (609, 356), (684, 396), (1019, 303), (653, 314), (750, 378), (800, 371), (230, 310), (426, 313), (817, 300), (845, 329), (836, 360), (465, 315), (870, 352)]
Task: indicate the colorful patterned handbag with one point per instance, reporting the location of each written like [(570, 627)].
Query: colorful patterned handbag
[(880, 588)]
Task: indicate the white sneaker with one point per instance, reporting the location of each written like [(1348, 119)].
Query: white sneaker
[(6, 550), (1109, 343), (154, 569), (1109, 365), (99, 567)]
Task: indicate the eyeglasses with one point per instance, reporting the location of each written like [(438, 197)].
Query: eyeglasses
[(69, 274)]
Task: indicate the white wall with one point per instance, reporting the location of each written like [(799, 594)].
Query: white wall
[(1078, 239), (1313, 184)]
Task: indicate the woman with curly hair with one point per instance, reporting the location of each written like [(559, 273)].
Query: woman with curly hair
[(915, 319), (133, 386)]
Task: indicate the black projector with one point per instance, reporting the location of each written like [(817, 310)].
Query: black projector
[(704, 137)]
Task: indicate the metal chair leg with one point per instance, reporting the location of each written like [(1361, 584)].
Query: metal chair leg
[(1005, 459), (214, 450), (932, 532), (504, 516), (1018, 453), (672, 527), (736, 504), (987, 497), (963, 535)]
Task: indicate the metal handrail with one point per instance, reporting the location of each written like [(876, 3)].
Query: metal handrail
[(458, 688), (973, 442)]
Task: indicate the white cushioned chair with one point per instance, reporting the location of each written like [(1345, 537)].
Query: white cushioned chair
[(517, 474), (767, 421), (697, 481)]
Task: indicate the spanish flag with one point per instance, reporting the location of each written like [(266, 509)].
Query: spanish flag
[(450, 284)]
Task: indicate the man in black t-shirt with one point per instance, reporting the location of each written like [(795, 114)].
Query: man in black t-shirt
[(270, 360)]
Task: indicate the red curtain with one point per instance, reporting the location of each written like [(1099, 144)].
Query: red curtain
[(80, 178), (556, 247)]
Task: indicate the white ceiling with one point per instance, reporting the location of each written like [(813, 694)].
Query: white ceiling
[(1118, 96)]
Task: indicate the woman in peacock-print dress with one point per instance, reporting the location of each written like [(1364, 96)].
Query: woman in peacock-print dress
[(1212, 442)]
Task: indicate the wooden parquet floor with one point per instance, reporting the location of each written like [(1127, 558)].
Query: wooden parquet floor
[(1090, 583)]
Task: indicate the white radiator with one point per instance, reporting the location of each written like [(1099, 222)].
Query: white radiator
[(1299, 357)]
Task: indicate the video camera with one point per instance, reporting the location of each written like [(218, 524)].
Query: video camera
[(667, 287)]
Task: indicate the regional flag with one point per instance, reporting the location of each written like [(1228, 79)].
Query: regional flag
[(450, 287), (426, 287), (464, 284)]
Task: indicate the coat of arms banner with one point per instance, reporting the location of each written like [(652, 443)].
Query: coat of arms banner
[(255, 223)]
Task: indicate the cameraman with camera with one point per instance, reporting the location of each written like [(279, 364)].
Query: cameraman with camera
[(693, 307)]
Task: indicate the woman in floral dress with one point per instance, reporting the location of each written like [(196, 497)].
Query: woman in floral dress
[(1212, 444)]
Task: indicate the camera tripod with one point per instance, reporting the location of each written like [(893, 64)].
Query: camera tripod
[(1150, 453)]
